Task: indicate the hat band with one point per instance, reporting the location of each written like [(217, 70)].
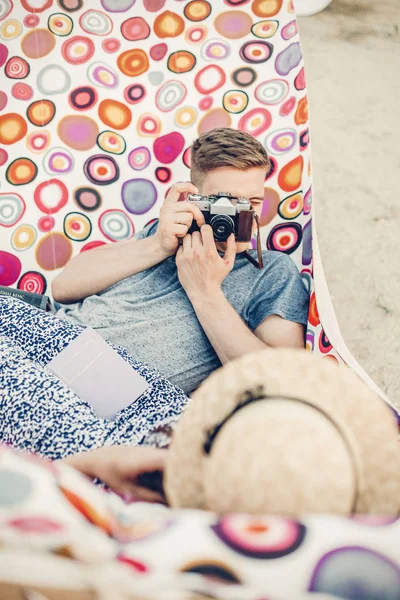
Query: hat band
[(257, 395)]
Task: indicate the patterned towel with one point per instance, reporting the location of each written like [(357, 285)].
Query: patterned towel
[(39, 413)]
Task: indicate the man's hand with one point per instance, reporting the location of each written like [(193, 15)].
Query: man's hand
[(120, 467), (176, 217), (201, 269)]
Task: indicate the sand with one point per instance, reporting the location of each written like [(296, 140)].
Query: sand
[(352, 59)]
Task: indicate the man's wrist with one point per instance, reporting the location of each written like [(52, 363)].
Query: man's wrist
[(157, 248), (153, 248), (210, 295)]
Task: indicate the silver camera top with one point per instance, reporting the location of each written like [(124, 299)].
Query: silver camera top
[(221, 203)]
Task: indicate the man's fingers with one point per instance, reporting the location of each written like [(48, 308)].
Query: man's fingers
[(196, 240), (187, 242), (180, 188), (230, 252), (179, 230), (131, 492), (146, 495), (193, 209), (207, 236), (200, 220), (152, 459), (185, 218)]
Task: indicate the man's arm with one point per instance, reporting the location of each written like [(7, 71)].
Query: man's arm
[(229, 335), (93, 272), (121, 468), (201, 271)]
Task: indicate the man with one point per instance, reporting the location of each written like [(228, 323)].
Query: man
[(186, 309)]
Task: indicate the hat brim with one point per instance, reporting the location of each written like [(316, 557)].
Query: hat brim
[(288, 373)]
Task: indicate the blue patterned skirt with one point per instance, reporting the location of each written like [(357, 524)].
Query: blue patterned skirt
[(39, 413)]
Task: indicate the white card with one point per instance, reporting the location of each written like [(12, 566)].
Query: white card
[(97, 374)]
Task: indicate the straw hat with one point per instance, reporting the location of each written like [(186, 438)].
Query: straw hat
[(283, 431)]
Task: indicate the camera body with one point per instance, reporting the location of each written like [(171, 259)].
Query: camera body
[(226, 215)]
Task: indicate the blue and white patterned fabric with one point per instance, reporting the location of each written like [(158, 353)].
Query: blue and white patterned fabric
[(39, 413)]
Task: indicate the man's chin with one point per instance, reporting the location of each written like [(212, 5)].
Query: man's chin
[(242, 247)]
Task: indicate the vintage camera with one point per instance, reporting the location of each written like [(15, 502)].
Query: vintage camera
[(226, 215)]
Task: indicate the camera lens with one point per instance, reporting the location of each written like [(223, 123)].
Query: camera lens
[(222, 226)]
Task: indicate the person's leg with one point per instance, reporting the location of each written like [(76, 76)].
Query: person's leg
[(39, 413), (40, 334), (159, 406)]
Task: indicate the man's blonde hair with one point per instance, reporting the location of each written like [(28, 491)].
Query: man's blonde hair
[(225, 147)]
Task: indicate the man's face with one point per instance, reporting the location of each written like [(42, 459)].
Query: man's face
[(248, 184)]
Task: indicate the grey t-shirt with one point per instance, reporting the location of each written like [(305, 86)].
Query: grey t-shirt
[(150, 315)]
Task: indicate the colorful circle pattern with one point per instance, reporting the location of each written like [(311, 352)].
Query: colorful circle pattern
[(285, 238), (87, 198), (12, 208), (138, 195), (105, 99), (83, 98), (38, 141), (290, 208), (23, 237), (101, 169), (58, 161), (10, 268), (281, 141), (139, 158), (21, 171), (215, 570), (110, 141), (33, 282), (356, 572), (77, 226), (115, 225), (260, 537), (60, 24)]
